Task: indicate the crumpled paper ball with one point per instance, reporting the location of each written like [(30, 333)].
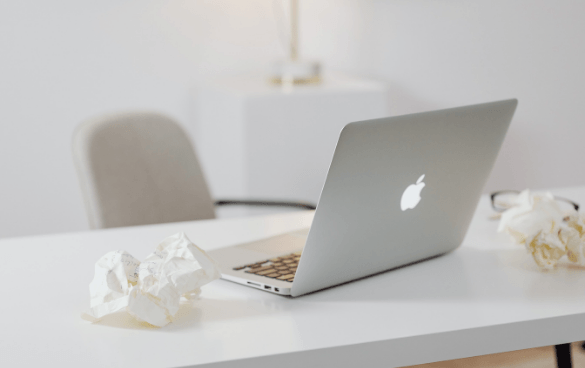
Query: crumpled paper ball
[(150, 290), (537, 221)]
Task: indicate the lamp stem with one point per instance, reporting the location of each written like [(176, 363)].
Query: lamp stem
[(294, 30)]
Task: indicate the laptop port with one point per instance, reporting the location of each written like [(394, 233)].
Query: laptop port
[(276, 289), (267, 287)]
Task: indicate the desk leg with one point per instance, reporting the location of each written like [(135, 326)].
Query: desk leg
[(563, 352)]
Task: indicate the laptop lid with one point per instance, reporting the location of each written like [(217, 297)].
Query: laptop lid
[(363, 225)]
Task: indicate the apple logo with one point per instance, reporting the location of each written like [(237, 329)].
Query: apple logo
[(411, 195)]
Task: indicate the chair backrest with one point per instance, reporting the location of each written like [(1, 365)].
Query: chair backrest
[(139, 168)]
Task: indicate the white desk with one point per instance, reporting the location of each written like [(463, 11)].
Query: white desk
[(486, 297)]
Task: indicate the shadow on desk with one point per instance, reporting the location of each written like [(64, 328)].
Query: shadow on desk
[(464, 274), (192, 314)]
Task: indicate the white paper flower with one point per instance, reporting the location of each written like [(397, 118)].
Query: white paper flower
[(151, 290), (548, 233), (577, 222), (576, 238), (529, 215), (547, 247)]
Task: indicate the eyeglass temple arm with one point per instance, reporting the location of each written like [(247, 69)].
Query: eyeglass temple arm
[(494, 194)]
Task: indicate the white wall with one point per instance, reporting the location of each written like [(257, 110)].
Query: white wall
[(63, 61), (437, 54)]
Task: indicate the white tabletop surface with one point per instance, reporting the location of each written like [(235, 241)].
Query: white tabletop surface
[(486, 297)]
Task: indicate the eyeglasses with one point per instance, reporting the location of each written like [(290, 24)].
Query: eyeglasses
[(504, 199)]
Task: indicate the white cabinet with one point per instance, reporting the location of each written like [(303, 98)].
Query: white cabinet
[(257, 140)]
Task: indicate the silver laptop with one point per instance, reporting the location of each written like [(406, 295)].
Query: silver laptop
[(399, 190)]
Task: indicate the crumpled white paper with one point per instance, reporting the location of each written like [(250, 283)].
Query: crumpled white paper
[(150, 290), (537, 221)]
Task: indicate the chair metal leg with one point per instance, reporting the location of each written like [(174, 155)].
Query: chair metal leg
[(563, 352)]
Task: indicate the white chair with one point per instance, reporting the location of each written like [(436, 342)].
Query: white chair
[(140, 168)]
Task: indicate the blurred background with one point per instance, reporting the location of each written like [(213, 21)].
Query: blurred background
[(65, 61)]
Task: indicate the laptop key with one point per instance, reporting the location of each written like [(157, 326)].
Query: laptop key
[(265, 268), (258, 269), (273, 275), (265, 272), (286, 277)]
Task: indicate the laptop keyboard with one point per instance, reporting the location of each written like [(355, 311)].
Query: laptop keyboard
[(279, 268)]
